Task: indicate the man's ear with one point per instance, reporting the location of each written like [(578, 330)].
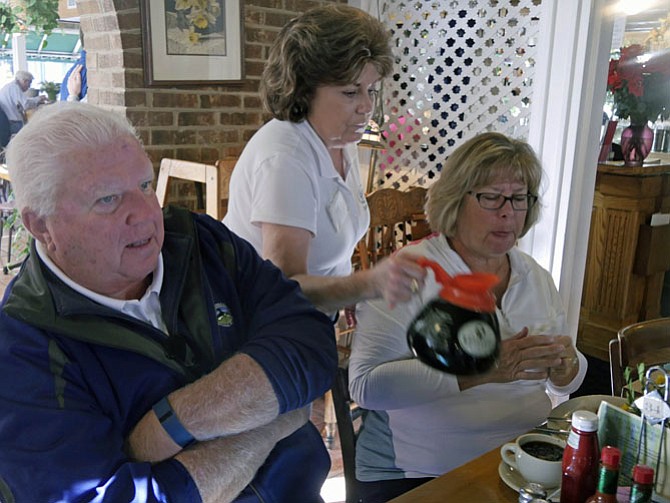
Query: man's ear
[(36, 225)]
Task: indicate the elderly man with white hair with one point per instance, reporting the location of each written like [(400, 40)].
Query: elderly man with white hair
[(147, 355), (14, 101)]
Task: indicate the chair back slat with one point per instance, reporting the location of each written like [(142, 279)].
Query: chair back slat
[(225, 166), (645, 342), (393, 217)]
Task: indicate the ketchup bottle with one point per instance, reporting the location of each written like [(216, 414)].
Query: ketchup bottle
[(580, 458)]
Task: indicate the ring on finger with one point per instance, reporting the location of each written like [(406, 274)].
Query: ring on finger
[(414, 286), (570, 362)]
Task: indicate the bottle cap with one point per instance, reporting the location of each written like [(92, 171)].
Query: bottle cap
[(610, 456), (584, 420), (643, 474)]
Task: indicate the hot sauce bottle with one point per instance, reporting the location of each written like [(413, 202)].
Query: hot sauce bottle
[(643, 484), (608, 480), (580, 458)]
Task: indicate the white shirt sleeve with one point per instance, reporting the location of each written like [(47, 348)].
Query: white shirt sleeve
[(282, 194), (383, 372)]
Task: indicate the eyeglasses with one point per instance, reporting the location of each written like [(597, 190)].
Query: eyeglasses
[(494, 201)]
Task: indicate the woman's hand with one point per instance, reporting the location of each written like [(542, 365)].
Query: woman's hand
[(397, 278), (532, 358), (563, 373)]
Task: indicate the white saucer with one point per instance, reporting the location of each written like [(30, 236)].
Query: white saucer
[(514, 479)]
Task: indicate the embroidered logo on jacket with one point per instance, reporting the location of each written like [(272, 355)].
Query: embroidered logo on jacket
[(223, 316)]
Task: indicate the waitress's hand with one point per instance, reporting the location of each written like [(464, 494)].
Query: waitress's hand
[(397, 278)]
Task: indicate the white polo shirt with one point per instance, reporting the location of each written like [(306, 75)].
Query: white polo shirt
[(286, 176)]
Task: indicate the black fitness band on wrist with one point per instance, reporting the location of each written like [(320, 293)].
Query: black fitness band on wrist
[(171, 424)]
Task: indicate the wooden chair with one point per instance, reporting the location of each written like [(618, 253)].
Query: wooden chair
[(225, 167), (195, 171), (645, 342), (616, 371), (347, 413), (396, 217)]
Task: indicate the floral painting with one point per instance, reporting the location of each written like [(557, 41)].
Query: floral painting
[(195, 27), (192, 42)]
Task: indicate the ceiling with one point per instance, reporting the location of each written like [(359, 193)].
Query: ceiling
[(648, 19)]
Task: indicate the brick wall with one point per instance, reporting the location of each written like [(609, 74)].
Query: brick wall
[(198, 123)]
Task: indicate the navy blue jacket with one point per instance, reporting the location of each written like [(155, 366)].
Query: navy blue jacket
[(75, 376)]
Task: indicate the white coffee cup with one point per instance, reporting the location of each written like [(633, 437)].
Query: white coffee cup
[(531, 467)]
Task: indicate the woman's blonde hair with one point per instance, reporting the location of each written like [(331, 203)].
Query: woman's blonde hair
[(328, 45), (478, 162)]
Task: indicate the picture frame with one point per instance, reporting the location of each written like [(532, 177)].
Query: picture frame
[(188, 45)]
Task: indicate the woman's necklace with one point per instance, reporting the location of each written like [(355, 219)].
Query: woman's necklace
[(503, 272)]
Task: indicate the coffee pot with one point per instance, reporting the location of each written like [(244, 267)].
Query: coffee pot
[(458, 331)]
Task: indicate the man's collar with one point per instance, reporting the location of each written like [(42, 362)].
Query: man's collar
[(155, 286)]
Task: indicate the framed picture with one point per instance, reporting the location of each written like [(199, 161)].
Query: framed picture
[(192, 42)]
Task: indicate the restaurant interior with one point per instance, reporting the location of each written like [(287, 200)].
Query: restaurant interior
[(532, 69)]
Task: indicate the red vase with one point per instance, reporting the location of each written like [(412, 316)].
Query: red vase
[(636, 141)]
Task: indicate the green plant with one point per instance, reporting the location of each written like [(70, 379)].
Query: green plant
[(20, 15), (51, 89), (20, 240), (631, 376)]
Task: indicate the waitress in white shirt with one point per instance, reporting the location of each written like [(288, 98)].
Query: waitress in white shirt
[(295, 193)]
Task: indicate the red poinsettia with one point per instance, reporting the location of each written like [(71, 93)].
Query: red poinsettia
[(640, 87)]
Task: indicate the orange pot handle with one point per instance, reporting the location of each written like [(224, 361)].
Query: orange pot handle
[(471, 291)]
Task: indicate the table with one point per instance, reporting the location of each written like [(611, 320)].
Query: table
[(477, 480)]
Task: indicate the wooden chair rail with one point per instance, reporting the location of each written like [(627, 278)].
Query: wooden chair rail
[(396, 217), (216, 179), (645, 342)]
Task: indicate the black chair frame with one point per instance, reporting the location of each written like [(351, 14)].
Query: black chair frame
[(346, 412)]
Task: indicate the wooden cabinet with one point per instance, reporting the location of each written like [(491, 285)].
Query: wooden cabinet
[(627, 257)]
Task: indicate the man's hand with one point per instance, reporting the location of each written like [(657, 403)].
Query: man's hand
[(74, 82)]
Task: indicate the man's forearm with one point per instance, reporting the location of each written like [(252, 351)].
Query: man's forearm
[(236, 397), (330, 293), (222, 467)]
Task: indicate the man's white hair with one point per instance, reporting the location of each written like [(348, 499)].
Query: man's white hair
[(23, 75), (37, 155)]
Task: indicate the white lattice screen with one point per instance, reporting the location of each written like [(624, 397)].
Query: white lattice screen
[(462, 67)]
